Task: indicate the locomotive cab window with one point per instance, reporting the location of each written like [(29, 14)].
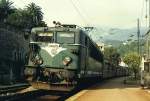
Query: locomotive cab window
[(43, 37), (65, 37)]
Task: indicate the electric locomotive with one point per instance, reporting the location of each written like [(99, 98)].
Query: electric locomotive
[(62, 55)]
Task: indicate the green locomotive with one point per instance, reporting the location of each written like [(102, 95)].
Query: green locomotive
[(62, 55)]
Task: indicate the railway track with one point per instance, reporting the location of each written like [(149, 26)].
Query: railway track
[(19, 96), (4, 90), (30, 94)]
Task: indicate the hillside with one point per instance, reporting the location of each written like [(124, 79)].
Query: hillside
[(115, 36)]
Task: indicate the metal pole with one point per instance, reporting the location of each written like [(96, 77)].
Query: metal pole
[(146, 16), (149, 14), (138, 36)]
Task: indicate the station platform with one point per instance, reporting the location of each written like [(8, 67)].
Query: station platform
[(111, 90)]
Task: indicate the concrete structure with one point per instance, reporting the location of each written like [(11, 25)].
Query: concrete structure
[(145, 63), (147, 50), (101, 46)]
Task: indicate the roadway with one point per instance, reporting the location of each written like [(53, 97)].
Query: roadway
[(112, 90)]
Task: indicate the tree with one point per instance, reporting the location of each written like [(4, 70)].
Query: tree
[(6, 8), (27, 18), (128, 47), (133, 61), (15, 19), (20, 19), (109, 51), (35, 13), (112, 55)]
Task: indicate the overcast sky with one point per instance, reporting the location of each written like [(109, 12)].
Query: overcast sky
[(111, 13)]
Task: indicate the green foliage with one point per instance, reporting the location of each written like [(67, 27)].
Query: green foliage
[(6, 8), (131, 47), (109, 51), (21, 19), (18, 19), (112, 55), (36, 15), (133, 60), (127, 48)]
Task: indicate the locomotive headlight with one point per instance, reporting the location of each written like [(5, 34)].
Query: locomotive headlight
[(38, 60), (67, 60), (37, 57)]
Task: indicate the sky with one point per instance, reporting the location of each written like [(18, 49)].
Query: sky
[(107, 13)]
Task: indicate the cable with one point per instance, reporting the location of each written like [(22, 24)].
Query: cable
[(78, 11), (84, 11), (146, 16), (142, 10)]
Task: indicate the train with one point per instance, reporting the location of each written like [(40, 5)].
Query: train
[(66, 55)]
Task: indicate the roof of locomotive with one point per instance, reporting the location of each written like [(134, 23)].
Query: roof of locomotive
[(56, 28), (73, 28)]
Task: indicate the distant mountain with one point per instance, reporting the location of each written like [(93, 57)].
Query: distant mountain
[(114, 43), (115, 36), (123, 34)]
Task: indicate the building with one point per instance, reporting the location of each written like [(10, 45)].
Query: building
[(101, 46), (147, 50), (145, 63)]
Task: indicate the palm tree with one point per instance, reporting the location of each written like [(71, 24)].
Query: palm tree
[(6, 8), (26, 18), (35, 13), (17, 19)]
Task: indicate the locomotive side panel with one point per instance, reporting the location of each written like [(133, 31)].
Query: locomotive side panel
[(91, 57)]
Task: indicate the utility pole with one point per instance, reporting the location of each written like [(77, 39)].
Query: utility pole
[(146, 15), (149, 14), (138, 36)]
